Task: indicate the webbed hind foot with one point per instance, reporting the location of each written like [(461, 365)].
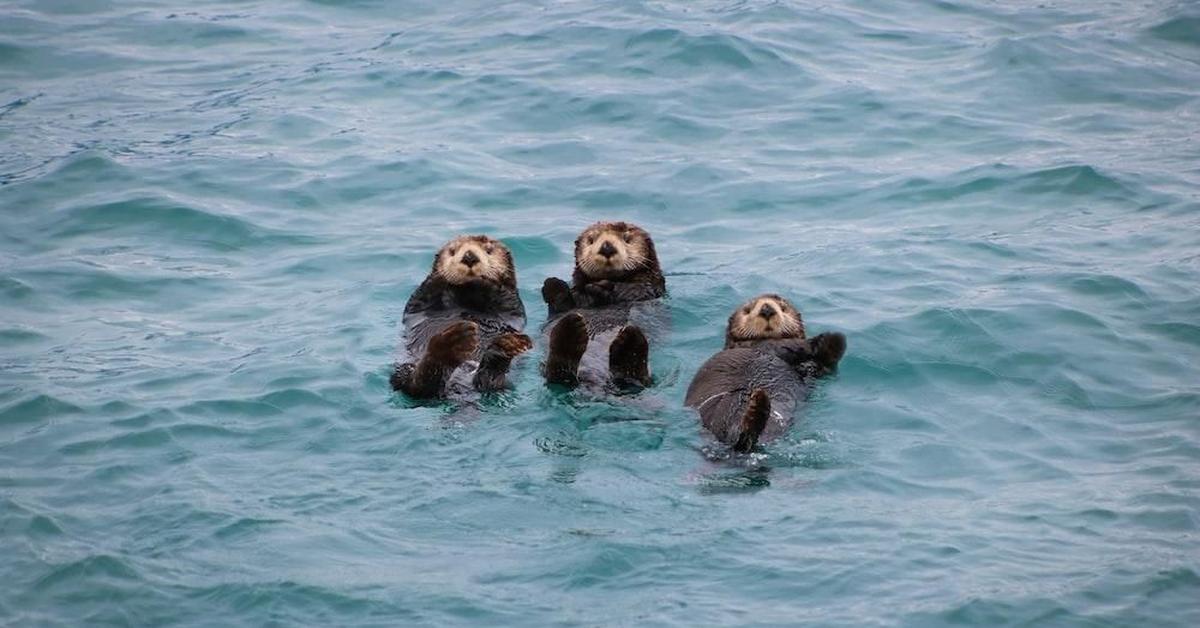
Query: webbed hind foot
[(492, 373), (568, 342), (446, 351), (753, 422), (629, 358)]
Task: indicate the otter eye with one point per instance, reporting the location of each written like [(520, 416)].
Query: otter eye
[(746, 310), (591, 239), (628, 238), (489, 249), (453, 251)]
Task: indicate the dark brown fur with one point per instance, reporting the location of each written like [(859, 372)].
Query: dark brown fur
[(451, 323), (740, 388), (592, 303)]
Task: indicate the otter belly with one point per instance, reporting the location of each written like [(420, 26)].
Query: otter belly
[(420, 327), (720, 392), (604, 323)]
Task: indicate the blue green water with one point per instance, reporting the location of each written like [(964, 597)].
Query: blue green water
[(212, 213)]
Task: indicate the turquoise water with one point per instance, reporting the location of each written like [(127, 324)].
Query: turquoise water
[(211, 215)]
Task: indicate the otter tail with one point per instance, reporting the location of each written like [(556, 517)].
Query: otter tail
[(753, 421)]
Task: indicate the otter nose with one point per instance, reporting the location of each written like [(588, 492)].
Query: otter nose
[(607, 249), (470, 259), (766, 311)]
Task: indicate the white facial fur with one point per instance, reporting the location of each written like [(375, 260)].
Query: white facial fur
[(455, 263), (626, 251), (750, 323)]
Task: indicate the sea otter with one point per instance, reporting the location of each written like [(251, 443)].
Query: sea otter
[(596, 323), (764, 370), (465, 320)]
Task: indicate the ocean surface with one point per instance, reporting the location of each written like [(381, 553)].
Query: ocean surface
[(212, 214)]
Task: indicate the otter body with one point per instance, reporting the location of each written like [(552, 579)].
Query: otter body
[(597, 326), (463, 324), (748, 391)]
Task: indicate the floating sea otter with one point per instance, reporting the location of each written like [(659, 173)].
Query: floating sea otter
[(596, 323), (748, 391), (463, 324)]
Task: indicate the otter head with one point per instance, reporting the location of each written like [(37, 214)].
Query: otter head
[(766, 316), (475, 257), (610, 250)]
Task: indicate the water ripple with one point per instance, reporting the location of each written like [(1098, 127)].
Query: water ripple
[(210, 220)]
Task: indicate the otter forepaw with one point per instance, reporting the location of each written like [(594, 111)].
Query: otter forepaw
[(512, 345), (600, 289), (828, 348), (557, 295)]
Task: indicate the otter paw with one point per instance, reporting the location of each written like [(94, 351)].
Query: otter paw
[(569, 338), (829, 348), (557, 295), (512, 345), (554, 290), (629, 358), (455, 344), (599, 288), (402, 374), (568, 342), (754, 421)]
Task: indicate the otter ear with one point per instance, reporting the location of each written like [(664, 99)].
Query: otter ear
[(729, 323), (651, 253), (437, 258), (510, 273)]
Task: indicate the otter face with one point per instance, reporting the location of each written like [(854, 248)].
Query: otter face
[(611, 249), (766, 316), (467, 258)]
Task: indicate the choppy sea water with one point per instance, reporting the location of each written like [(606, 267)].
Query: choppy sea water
[(212, 213)]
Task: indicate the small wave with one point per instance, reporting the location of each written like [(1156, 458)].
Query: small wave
[(244, 527), (15, 336), (141, 439), (14, 289), (97, 567), (664, 48), (14, 105), (14, 516), (1057, 68), (296, 603), (1187, 333), (157, 217), (38, 408), (551, 154), (1183, 30), (1072, 181), (1105, 285)]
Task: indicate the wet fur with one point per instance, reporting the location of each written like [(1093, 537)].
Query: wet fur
[(747, 392), (462, 315), (602, 295)]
